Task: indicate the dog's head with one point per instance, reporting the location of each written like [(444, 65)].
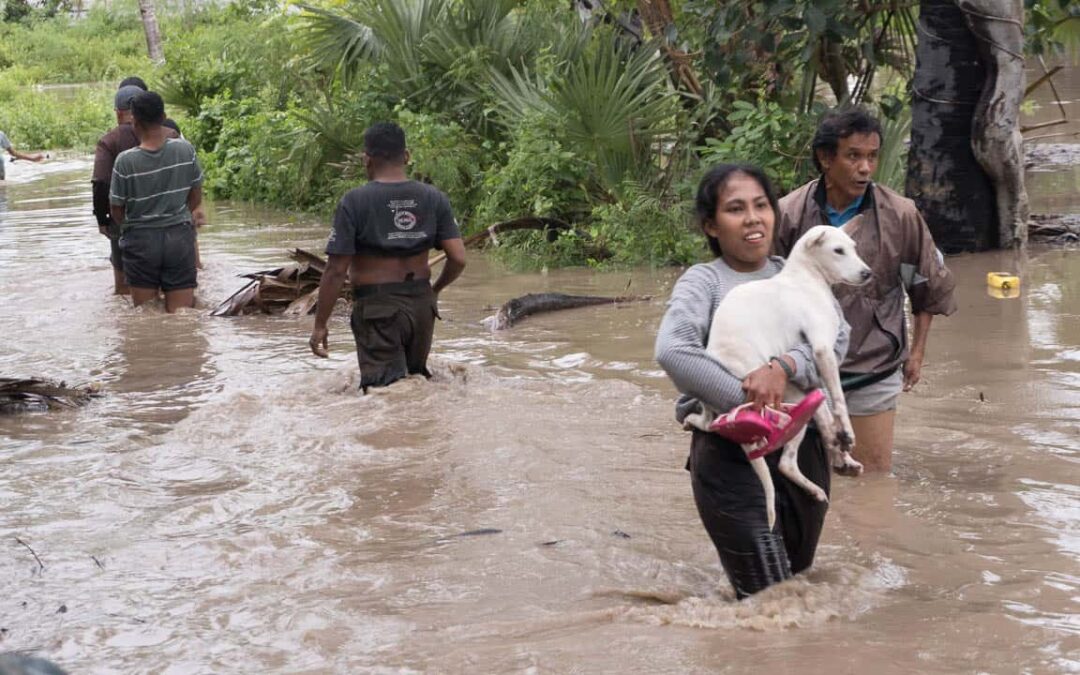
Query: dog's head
[(832, 252)]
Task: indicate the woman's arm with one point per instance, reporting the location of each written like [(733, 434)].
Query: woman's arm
[(680, 343)]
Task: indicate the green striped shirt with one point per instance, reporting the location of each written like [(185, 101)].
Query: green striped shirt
[(153, 186)]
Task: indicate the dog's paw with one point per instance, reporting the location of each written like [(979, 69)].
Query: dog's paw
[(817, 493), (845, 440), (848, 466)]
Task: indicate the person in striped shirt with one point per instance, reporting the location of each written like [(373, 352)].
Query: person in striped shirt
[(155, 187)]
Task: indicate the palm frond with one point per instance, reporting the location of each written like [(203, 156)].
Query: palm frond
[(614, 103), (339, 42), (892, 158)]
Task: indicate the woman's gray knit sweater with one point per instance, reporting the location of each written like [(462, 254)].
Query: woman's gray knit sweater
[(684, 332)]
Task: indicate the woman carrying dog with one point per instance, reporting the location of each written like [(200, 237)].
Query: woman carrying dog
[(737, 210)]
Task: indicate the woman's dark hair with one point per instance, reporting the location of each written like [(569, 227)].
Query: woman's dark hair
[(148, 108), (385, 141), (839, 124), (713, 182)]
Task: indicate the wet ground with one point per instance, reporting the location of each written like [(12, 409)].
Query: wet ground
[(233, 505)]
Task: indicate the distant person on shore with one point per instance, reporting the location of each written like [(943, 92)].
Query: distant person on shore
[(155, 188), (381, 237), (122, 137), (894, 240), (6, 146)]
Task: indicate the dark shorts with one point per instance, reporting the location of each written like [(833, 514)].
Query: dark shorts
[(159, 257), (731, 503), (393, 325)]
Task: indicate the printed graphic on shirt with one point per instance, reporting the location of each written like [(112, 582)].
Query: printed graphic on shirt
[(404, 219)]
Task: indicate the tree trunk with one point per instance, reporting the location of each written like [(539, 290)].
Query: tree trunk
[(995, 135), (658, 19), (949, 186), (153, 35), (965, 167)]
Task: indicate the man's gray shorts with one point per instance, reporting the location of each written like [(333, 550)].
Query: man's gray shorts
[(159, 257), (876, 398)]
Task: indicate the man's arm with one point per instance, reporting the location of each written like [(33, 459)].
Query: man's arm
[(931, 290), (100, 191), (194, 199), (22, 155), (117, 213), (913, 366), (454, 266), (337, 268)]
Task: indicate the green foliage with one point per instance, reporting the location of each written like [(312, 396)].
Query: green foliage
[(537, 176), (37, 119), (642, 229), (769, 136), (235, 51), (445, 155), (1052, 27), (892, 160), (63, 50), (791, 44)]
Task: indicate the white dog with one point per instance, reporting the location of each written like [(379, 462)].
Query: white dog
[(761, 319)]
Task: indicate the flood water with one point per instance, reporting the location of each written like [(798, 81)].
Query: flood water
[(232, 504)]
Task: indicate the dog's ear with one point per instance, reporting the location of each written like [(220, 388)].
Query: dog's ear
[(819, 240), (850, 226)]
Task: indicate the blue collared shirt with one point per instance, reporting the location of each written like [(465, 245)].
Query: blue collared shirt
[(838, 218)]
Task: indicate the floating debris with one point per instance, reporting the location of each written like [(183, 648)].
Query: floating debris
[(292, 289), (517, 309), (39, 395)]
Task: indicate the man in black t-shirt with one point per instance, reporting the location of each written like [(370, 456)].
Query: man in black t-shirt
[(382, 233)]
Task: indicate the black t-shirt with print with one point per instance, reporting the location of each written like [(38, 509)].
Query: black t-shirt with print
[(392, 219)]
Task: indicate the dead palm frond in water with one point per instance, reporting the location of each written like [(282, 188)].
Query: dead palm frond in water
[(33, 394), (291, 289)]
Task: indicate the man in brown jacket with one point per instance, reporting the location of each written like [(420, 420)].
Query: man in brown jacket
[(893, 239)]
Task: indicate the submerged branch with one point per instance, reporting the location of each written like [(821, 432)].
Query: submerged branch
[(41, 565)]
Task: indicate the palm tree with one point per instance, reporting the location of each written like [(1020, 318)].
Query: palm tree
[(153, 35)]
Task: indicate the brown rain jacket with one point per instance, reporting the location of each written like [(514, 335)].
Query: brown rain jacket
[(893, 239)]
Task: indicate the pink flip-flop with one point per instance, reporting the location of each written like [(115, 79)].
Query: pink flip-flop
[(746, 426), (770, 429), (801, 413)]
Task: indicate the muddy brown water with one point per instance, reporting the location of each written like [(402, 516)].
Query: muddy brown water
[(232, 505)]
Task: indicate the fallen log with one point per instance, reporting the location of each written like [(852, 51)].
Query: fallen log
[(1054, 228), (33, 394), (513, 311)]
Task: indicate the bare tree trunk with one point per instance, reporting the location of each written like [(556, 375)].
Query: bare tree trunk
[(950, 187), (965, 167), (658, 18), (995, 135), (153, 35)]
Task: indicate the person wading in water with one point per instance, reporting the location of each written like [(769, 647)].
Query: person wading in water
[(155, 188), (118, 139), (894, 240), (381, 236), (736, 207)]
